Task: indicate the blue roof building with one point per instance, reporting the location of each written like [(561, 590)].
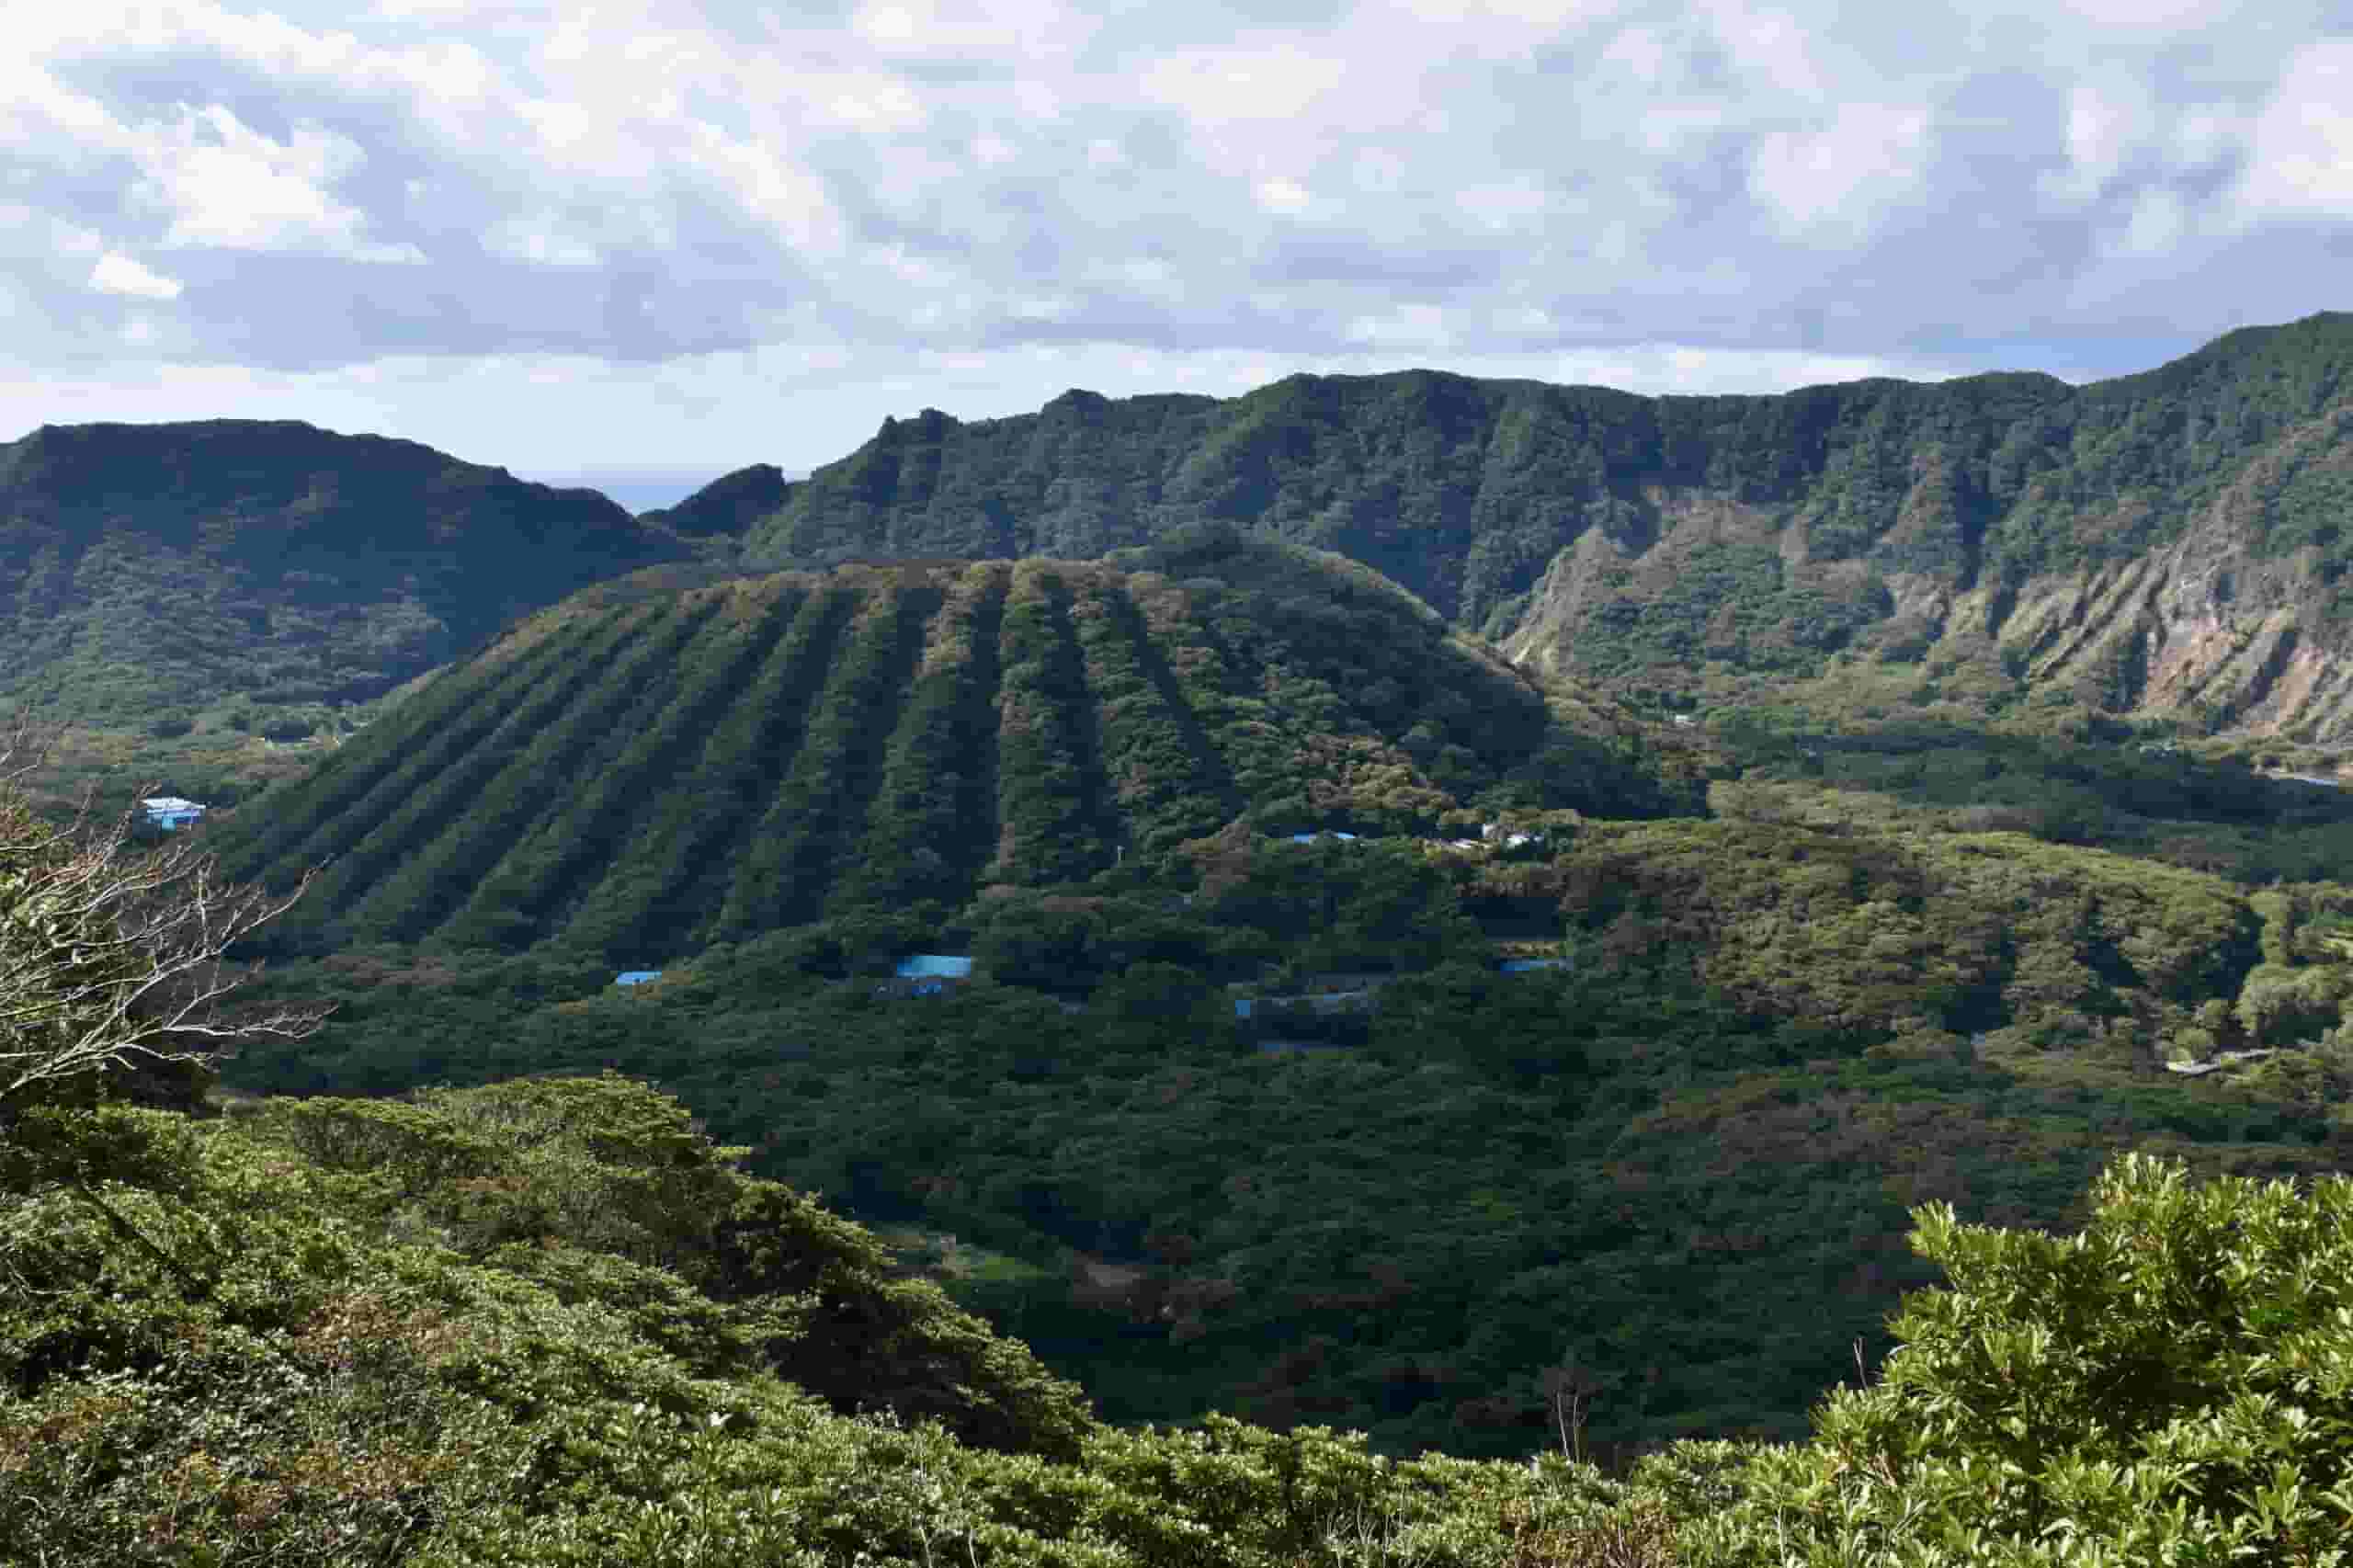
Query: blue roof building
[(1529, 966), (170, 813), (1311, 837), (636, 976), (927, 966)]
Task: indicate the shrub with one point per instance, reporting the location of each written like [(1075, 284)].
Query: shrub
[(2174, 1384)]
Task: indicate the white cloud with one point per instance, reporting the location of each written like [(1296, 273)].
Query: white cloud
[(2160, 219), (1221, 87), (119, 274), (1421, 328), (1284, 195), (542, 239), (223, 183), (2104, 125), (1504, 205), (956, 191), (1838, 180), (2302, 162)]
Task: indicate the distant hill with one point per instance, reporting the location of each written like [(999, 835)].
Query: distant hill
[(727, 506), (169, 578), (2169, 545), (682, 757), (2169, 548)]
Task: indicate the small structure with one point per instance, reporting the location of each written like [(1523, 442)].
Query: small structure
[(637, 976), (170, 813), (1530, 966), (1328, 833), (926, 974), (934, 966)]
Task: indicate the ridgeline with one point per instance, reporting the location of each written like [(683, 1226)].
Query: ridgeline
[(2168, 545)]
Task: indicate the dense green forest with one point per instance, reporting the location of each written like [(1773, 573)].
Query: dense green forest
[(550, 1320), (1780, 1029), (215, 604), (648, 768), (1725, 544), (212, 602), (1858, 971), (1366, 1033)]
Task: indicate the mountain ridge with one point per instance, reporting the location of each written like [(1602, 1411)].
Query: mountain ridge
[(2167, 549), (388, 541), (1632, 538), (196, 595)]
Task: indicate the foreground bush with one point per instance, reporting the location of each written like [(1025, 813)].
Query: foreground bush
[(2174, 1384), (546, 1323)]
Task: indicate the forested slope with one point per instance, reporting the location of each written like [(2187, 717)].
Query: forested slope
[(548, 1325), (208, 604), (155, 570), (2165, 544), (1683, 1161), (650, 767), (550, 1322)]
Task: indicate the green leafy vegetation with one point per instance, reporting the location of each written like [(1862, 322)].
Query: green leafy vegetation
[(211, 603), (1742, 547), (1366, 1202), (649, 771), (217, 605), (550, 1321), (1905, 1021)]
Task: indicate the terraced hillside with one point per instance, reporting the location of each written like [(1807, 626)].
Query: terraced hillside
[(679, 758)]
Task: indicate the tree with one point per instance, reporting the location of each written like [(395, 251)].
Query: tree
[(2174, 1384), (111, 957)]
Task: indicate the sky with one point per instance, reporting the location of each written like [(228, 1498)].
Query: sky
[(641, 245)]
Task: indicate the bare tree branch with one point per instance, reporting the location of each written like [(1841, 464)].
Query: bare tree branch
[(112, 955)]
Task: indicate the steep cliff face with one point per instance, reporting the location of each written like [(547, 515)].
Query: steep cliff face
[(2214, 595), (2171, 543), (2241, 622)]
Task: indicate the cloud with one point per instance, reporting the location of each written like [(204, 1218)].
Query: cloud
[(1838, 180), (1682, 192), (223, 185), (119, 274), (2301, 158)]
